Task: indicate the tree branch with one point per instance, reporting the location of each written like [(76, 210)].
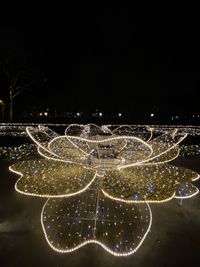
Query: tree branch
[(17, 93)]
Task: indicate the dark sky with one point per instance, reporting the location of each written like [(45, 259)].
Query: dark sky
[(123, 59)]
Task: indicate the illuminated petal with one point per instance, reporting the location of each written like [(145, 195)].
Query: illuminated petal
[(130, 149), (186, 190), (85, 131), (60, 144), (142, 132), (104, 143), (164, 157), (84, 134), (70, 223), (41, 135), (62, 152), (74, 129), (90, 136), (156, 183), (46, 154), (163, 147), (135, 151), (47, 178), (164, 143), (63, 148), (126, 149)]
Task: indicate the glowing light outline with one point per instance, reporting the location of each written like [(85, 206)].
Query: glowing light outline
[(96, 241), (127, 125), (146, 160), (189, 196), (145, 201), (194, 194), (194, 179), (82, 125), (37, 143), (45, 156), (46, 195), (143, 162), (136, 201), (104, 140), (73, 124), (161, 162), (61, 160)]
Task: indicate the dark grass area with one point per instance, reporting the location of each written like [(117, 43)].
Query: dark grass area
[(6, 141)]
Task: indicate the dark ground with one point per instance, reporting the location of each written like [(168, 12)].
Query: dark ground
[(174, 239)]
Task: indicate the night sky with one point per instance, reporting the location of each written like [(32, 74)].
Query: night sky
[(119, 59)]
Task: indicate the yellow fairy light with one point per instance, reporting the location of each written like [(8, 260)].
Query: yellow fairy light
[(99, 183)]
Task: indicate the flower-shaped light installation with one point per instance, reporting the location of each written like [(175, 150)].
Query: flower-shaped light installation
[(99, 183)]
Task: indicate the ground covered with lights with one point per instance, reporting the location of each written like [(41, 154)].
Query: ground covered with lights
[(111, 199)]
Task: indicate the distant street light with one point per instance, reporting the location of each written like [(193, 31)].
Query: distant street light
[(2, 108)]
